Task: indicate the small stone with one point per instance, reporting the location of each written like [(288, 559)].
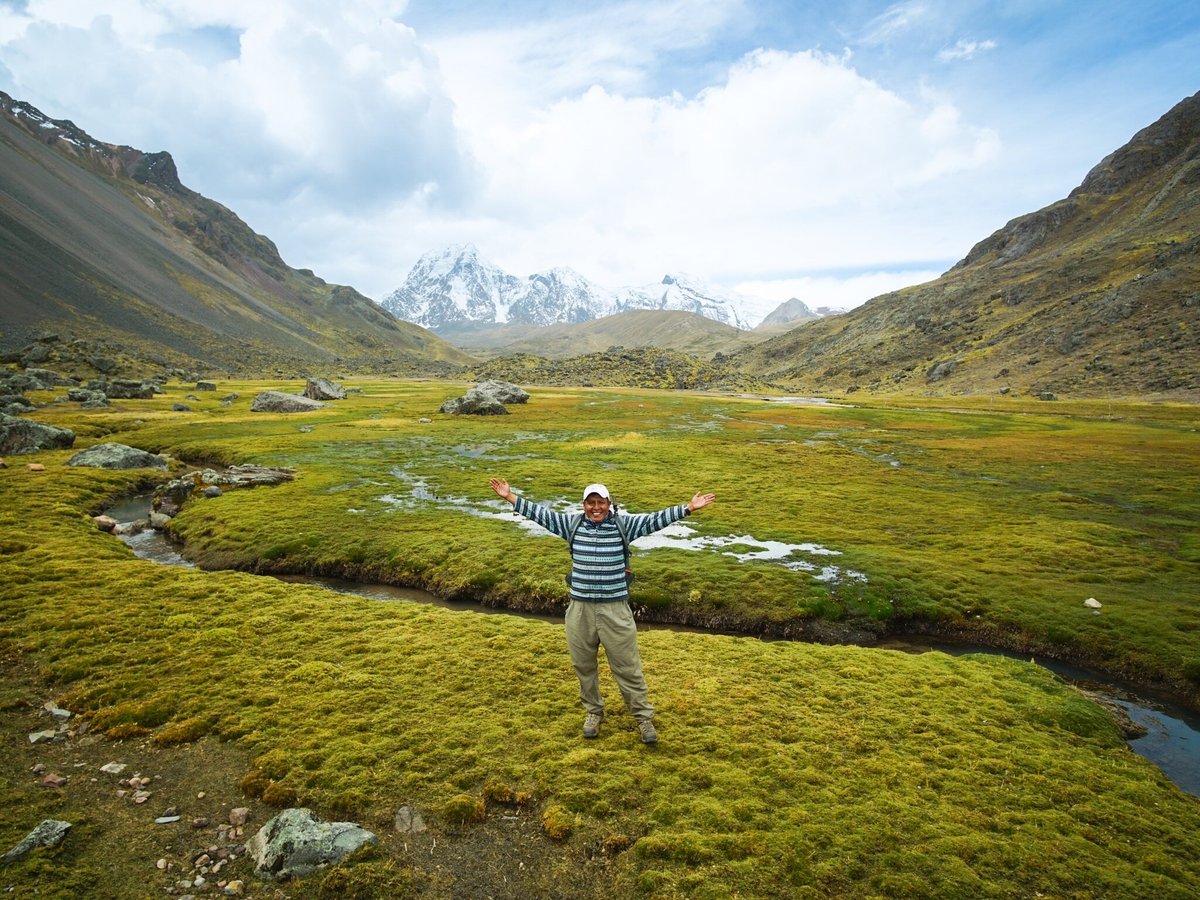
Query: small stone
[(166, 820), (113, 768), (234, 888), (202, 860), (161, 864), (39, 769), (36, 467), (1092, 603), (212, 491), (141, 797), (425, 420), (122, 794), (200, 796), (239, 816), (200, 823), (53, 780), (41, 737), (56, 712), (105, 523), (409, 821), (170, 811)]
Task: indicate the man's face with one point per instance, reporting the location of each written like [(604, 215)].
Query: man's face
[(595, 507)]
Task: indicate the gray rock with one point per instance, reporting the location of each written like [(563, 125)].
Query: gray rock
[(503, 391), (180, 407), (117, 456), (103, 364), (159, 521), (941, 370), (205, 386), (42, 737), (229, 398), (1047, 395), (51, 379), (49, 833), (35, 354), (127, 389), (323, 389), (296, 842), (212, 491), (56, 712), (25, 436), (277, 401), (409, 821), (86, 395)]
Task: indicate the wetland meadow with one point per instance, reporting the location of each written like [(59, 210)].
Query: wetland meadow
[(806, 768)]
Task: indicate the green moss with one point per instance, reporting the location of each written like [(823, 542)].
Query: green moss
[(557, 822), (782, 769)]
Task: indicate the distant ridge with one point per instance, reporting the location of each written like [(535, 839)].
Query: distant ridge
[(457, 287), (1097, 294), (105, 241)]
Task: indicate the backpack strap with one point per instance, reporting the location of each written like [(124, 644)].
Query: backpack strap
[(617, 520)]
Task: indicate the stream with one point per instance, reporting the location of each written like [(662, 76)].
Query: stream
[(1171, 742)]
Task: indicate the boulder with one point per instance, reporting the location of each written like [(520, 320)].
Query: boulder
[(323, 389), (277, 401), (26, 436), (51, 379), (49, 833), (117, 456), (486, 399), (106, 365), (296, 842), (205, 386), (15, 404), (502, 391), (127, 389), (86, 395)]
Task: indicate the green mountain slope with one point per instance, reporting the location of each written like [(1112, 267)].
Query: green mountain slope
[(666, 329), (106, 242), (1095, 295)]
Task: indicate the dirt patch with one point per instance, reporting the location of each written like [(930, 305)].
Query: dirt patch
[(116, 849)]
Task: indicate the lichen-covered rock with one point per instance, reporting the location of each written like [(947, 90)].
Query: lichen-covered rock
[(49, 833), (296, 842), (26, 436), (323, 389), (486, 399), (278, 401), (117, 456), (126, 389)]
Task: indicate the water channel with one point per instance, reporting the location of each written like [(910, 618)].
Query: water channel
[(1171, 742)]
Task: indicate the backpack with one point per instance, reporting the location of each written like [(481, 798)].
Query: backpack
[(579, 520)]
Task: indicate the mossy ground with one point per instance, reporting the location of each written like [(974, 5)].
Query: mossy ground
[(783, 770)]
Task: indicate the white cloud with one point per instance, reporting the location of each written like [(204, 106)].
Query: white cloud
[(833, 291), (964, 49)]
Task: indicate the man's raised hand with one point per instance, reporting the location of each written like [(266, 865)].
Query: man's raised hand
[(500, 486), (700, 501)]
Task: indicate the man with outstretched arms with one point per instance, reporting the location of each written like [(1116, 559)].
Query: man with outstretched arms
[(598, 614)]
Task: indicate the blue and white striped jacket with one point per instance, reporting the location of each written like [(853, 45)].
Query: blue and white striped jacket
[(598, 554)]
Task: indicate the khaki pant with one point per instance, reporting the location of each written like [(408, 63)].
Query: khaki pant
[(611, 625)]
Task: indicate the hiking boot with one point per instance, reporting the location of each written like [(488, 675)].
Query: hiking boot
[(646, 727), (591, 725)]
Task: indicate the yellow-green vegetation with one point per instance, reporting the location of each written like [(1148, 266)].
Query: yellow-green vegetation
[(784, 769)]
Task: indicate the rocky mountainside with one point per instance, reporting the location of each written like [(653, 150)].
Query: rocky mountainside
[(456, 287), (644, 367), (105, 242), (667, 329), (1097, 294)]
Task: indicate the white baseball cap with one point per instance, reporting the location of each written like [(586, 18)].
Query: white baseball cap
[(596, 489)]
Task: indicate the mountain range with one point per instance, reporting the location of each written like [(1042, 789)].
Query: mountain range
[(105, 242), (1097, 294), (456, 287)]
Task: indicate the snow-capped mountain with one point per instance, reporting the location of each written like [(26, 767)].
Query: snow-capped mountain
[(456, 286)]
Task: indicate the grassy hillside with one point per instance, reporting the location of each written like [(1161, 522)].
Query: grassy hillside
[(784, 769), (105, 242), (1096, 295), (666, 329)]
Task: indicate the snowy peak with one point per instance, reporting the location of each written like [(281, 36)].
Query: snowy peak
[(456, 286)]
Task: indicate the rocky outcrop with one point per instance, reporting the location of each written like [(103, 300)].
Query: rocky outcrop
[(49, 833), (117, 456), (126, 389), (279, 402), (487, 398), (26, 436), (323, 389), (296, 842)]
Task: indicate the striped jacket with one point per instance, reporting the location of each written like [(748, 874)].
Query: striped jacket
[(598, 555)]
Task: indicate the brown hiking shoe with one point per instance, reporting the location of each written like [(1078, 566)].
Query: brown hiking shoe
[(646, 727), (591, 725)]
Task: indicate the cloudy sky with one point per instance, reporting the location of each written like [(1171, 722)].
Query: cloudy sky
[(830, 151)]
